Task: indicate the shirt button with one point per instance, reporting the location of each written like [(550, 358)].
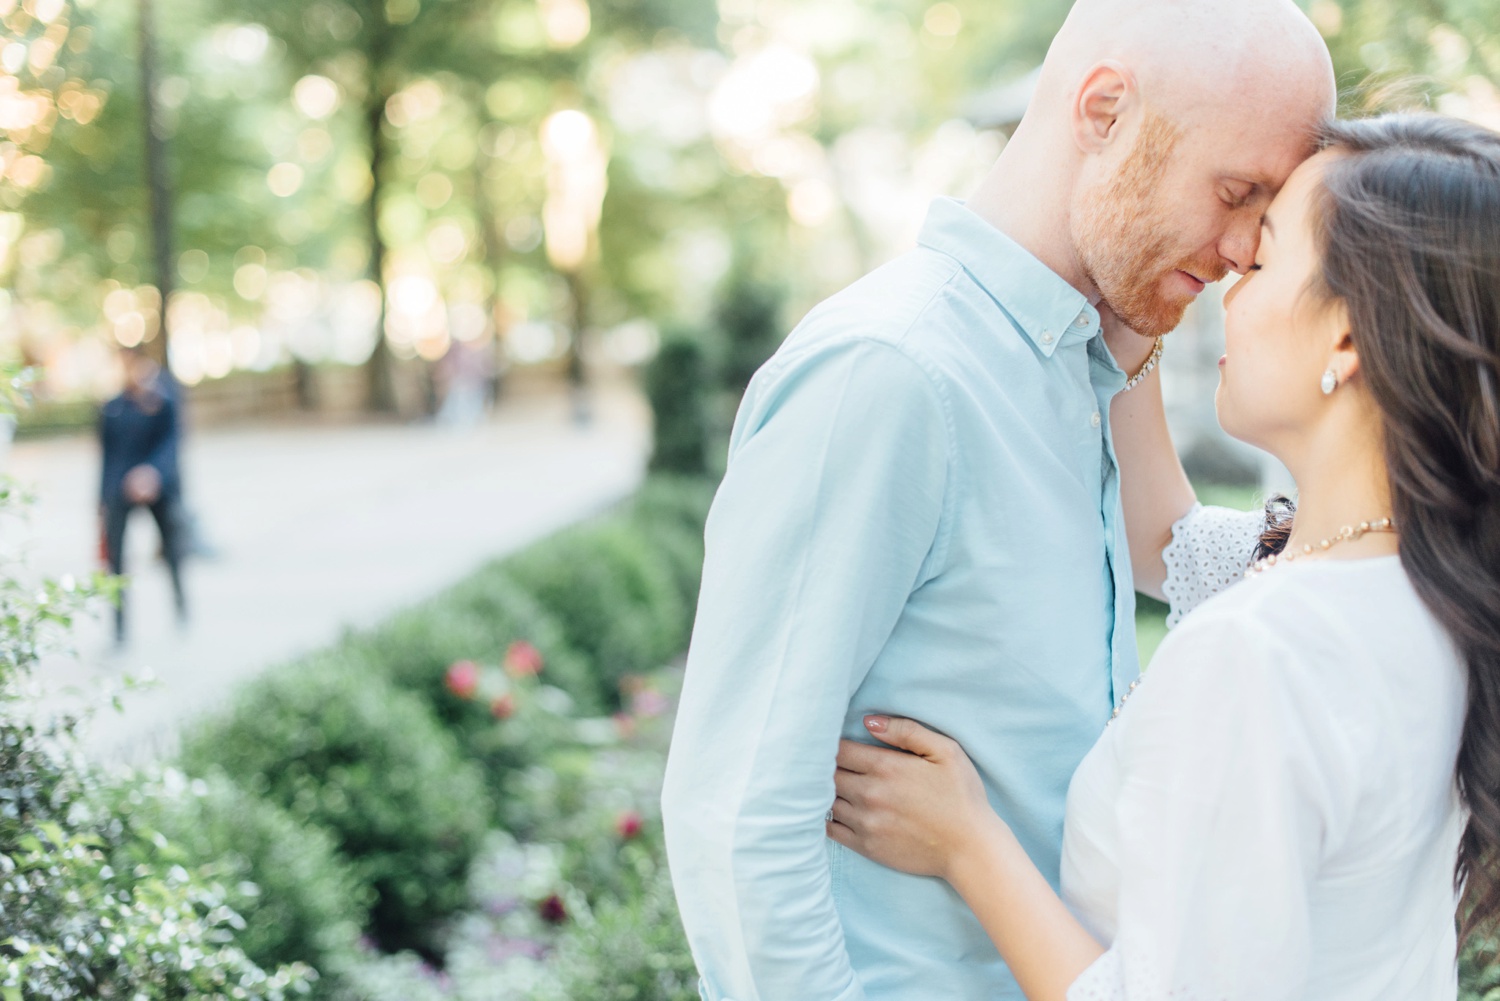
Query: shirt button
[(1095, 420), (1046, 337), (1082, 321)]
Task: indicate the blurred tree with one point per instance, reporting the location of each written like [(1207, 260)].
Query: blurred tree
[(373, 48), (159, 193)]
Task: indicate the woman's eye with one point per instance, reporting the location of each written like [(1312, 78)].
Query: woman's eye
[(1255, 267)]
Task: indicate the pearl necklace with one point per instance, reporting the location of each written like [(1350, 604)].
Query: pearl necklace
[(1346, 534)]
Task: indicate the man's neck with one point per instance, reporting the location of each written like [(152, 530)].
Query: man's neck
[(1028, 201)]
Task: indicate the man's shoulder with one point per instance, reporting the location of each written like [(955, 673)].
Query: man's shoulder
[(899, 306), (889, 302)]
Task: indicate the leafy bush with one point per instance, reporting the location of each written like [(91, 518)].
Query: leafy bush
[(748, 317), (670, 512), (676, 384), (613, 595), (74, 924), (301, 901), (479, 619), (629, 948), (370, 763)]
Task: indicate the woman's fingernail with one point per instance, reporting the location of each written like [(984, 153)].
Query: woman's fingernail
[(876, 724)]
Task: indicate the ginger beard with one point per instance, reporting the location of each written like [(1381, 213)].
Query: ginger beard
[(1125, 244)]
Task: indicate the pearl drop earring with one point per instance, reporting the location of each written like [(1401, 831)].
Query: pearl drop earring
[(1330, 382)]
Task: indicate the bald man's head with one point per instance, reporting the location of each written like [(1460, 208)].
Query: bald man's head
[(1175, 121)]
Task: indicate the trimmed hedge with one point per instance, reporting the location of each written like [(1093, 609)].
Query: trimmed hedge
[(476, 620), (402, 744), (370, 763), (614, 595)]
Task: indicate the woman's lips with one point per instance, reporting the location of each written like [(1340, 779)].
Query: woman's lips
[(1222, 360)]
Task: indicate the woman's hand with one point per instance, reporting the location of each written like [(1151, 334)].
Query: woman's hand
[(921, 809)]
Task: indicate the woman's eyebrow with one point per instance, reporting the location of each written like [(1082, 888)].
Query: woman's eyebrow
[(1265, 222)]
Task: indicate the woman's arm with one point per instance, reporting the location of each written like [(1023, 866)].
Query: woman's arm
[(1231, 779), (1153, 487), (1042, 943)]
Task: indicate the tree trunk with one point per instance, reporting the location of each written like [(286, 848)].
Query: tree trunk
[(494, 255), (158, 182), (382, 396), (578, 387)]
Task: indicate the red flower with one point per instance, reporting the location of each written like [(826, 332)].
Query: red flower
[(629, 825), (523, 660), (463, 678), (553, 910), (503, 706)]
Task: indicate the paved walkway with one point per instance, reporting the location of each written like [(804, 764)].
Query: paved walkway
[(316, 529)]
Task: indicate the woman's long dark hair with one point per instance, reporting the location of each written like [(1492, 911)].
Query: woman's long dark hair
[(1408, 228)]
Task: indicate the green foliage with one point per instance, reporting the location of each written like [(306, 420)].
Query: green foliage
[(1479, 969), (478, 619), (77, 925), (627, 948), (676, 384), (368, 762), (748, 318), (613, 594), (300, 900), (670, 512)]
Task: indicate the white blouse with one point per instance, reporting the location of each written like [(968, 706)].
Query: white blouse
[(1273, 815)]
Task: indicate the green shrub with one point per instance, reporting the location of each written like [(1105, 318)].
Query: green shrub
[(73, 925), (1479, 969), (370, 763), (629, 948), (748, 317), (677, 384), (509, 613), (614, 596), (301, 900), (670, 512)]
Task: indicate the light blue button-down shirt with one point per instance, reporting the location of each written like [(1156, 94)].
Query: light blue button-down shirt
[(922, 517)]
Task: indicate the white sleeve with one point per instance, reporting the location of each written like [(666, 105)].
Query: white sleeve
[(1210, 550), (1231, 792)]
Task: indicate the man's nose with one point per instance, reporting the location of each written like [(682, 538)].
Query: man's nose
[(1239, 245)]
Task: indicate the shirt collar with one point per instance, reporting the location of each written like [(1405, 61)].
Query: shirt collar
[(1048, 310)]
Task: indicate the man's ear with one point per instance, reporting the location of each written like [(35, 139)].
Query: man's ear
[(1106, 91)]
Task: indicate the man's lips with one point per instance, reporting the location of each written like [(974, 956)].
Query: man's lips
[(1194, 282)]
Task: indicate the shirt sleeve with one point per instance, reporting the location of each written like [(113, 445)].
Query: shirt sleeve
[(1210, 551), (1231, 792), (829, 517)]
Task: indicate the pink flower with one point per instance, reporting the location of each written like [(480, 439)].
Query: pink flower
[(463, 678), (503, 706), (649, 703), (553, 910), (629, 825), (523, 660)]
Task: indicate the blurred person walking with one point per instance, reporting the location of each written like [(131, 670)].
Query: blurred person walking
[(465, 375), (139, 433)]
